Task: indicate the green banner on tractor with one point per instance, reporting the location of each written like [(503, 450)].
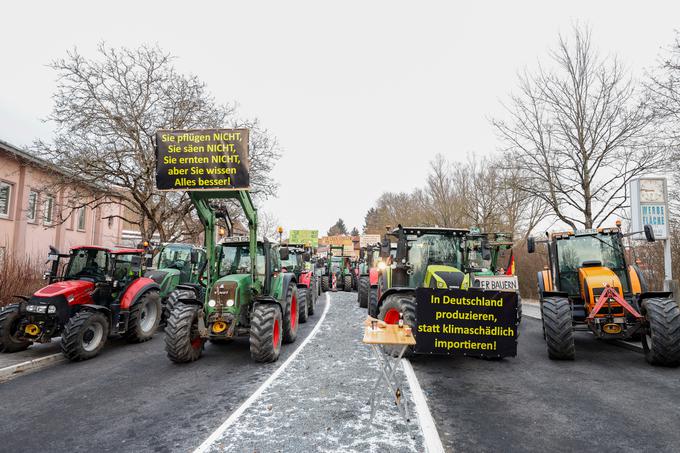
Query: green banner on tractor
[(304, 237), (202, 159)]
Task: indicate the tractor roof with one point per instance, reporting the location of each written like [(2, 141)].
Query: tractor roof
[(91, 247), (432, 230), (127, 251), (576, 233), (116, 251)]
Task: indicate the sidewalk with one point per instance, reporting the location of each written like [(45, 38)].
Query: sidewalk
[(320, 402), (36, 356)]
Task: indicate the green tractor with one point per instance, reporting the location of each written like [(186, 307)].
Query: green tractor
[(489, 261), (245, 292), (428, 257), (337, 273), (176, 264)]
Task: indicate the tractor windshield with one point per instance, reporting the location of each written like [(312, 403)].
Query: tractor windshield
[(433, 249), (126, 267), (173, 257), (474, 255), (87, 264), (573, 252), (293, 263), (235, 259)]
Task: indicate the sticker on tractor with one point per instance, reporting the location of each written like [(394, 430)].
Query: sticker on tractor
[(206, 159), (497, 282), (471, 323)]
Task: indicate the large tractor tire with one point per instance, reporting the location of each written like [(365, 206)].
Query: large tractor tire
[(311, 298), (558, 328), (183, 342), (145, 315), (347, 283), (290, 314), (393, 305), (325, 283), (373, 301), (303, 305), (9, 326), (175, 296), (362, 293), (84, 335), (266, 333), (661, 341)]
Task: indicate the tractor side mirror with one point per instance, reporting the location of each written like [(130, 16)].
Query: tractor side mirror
[(486, 251), (531, 245), (306, 256), (284, 253), (649, 233), (136, 261), (148, 260), (194, 256)]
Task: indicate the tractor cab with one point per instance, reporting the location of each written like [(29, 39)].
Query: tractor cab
[(186, 261), (429, 257)]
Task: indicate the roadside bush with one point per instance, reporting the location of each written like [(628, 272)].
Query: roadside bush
[(19, 275)]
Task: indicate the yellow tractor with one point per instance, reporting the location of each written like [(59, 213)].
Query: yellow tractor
[(589, 286)]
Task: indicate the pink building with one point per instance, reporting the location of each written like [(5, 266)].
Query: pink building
[(30, 214)]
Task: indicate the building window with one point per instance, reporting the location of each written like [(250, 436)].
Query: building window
[(81, 218), (48, 212), (32, 209), (5, 194)]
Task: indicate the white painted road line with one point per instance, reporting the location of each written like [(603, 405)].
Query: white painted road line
[(433, 444), (205, 446), (11, 371)]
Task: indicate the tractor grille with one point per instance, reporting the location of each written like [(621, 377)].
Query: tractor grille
[(452, 279), (63, 310)]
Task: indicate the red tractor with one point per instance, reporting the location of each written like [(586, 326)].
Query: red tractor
[(101, 292), (298, 261)]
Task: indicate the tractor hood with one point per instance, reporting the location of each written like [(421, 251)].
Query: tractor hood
[(66, 288), (594, 279), (444, 277), (227, 288)]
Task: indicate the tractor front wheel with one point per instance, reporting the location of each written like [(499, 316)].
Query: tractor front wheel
[(266, 333), (303, 305), (558, 328), (347, 283), (145, 315), (373, 301), (324, 283), (364, 288), (9, 330), (290, 314), (183, 342), (84, 335), (661, 341), (389, 312)]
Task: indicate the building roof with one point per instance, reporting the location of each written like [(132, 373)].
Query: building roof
[(24, 155)]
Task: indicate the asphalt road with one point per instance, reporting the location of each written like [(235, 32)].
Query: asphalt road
[(608, 399), (132, 398)]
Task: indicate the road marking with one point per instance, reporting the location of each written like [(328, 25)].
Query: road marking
[(205, 446), (11, 371), (433, 443)]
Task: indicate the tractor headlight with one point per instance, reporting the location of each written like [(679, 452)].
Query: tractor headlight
[(52, 309), (230, 303), (30, 308), (212, 303), (382, 266), (42, 309)]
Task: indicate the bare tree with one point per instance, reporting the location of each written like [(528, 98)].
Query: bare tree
[(580, 133), (106, 113)]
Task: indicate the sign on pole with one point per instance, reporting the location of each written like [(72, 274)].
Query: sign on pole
[(472, 323), (202, 159), (304, 237)]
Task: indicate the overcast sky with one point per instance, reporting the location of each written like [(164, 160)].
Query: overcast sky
[(361, 94)]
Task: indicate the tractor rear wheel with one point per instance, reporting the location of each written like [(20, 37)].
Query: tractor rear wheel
[(84, 335), (558, 327), (364, 288), (266, 333), (9, 329), (303, 305), (290, 314), (347, 283), (393, 305), (145, 315), (311, 299), (661, 341), (324, 283), (183, 342)]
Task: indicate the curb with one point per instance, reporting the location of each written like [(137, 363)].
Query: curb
[(13, 371)]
